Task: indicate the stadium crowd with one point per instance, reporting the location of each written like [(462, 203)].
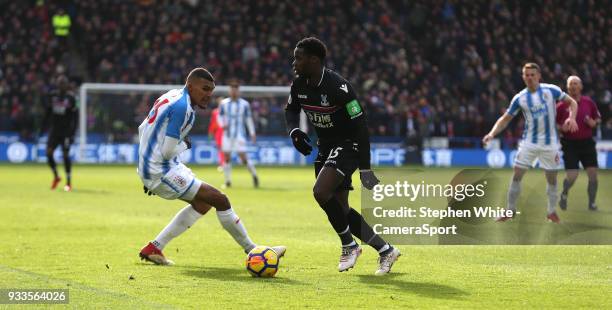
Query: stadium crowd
[(424, 68)]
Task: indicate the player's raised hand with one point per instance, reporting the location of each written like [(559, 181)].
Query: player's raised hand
[(486, 139), (570, 125), (301, 141), (368, 179)]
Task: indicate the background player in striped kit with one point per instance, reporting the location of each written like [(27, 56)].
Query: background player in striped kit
[(540, 139), (234, 115)]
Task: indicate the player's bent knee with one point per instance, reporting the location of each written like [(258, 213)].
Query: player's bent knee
[(224, 203), (321, 195), (211, 196), (200, 207)]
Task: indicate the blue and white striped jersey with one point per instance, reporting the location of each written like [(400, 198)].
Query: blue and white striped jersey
[(234, 115), (539, 110), (171, 116)]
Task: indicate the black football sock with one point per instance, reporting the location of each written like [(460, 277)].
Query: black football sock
[(592, 190), (363, 231), (336, 217), (51, 163), (67, 168), (566, 187)]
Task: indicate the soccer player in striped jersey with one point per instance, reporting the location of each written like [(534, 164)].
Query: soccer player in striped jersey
[(234, 115), (163, 136), (540, 139)]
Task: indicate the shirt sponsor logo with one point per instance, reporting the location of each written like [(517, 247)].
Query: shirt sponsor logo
[(302, 96), (320, 120), (538, 109)]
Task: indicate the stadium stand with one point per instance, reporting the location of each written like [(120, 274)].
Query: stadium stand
[(424, 68)]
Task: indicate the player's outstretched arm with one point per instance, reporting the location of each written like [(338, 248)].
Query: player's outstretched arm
[(366, 175), (501, 124), (570, 123)]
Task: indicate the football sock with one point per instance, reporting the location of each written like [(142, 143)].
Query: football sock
[(551, 191), (566, 186), (67, 168), (51, 162), (346, 238), (385, 249), (251, 168), (184, 219), (231, 222), (338, 220), (363, 231), (513, 193), (592, 190), (227, 171)]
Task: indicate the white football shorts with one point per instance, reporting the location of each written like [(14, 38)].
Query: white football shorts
[(179, 182), (548, 156), (238, 144)]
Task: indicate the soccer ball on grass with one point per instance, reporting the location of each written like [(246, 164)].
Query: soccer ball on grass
[(262, 261)]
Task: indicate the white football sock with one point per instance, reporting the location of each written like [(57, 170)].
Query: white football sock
[(231, 222), (227, 171), (384, 248), (513, 193), (551, 191), (251, 168), (181, 221)]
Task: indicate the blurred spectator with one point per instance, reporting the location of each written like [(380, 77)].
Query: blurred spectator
[(61, 24)]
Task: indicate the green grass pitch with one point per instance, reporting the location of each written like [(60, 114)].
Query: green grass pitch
[(88, 241)]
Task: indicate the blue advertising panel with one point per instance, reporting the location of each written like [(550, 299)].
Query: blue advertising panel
[(271, 151)]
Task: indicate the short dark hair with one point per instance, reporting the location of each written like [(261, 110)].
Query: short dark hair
[(200, 73), (234, 82), (314, 47), (531, 65)]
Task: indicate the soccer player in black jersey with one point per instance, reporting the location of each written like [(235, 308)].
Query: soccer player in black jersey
[(340, 123), (62, 119)]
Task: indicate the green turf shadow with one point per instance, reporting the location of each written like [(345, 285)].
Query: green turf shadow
[(431, 290), (232, 274)]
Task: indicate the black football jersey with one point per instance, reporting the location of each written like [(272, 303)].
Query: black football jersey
[(331, 106), (62, 114)]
